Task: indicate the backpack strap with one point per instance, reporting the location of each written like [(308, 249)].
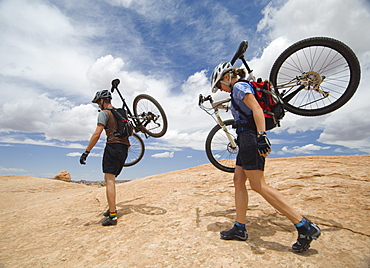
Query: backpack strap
[(115, 131), (236, 106), (263, 90), (250, 124)]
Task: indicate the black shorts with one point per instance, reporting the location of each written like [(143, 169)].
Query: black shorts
[(248, 156), (114, 158)]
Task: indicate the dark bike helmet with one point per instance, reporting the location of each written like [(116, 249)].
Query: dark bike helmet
[(102, 94), (218, 73)]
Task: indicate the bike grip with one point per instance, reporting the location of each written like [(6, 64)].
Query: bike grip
[(209, 98), (200, 99)]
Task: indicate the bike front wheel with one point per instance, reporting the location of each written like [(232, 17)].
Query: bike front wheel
[(316, 76), (150, 115), (135, 151), (220, 151)]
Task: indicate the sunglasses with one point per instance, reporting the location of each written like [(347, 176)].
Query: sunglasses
[(218, 85)]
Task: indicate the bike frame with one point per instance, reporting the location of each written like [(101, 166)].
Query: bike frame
[(223, 105), (312, 77), (308, 81), (135, 121)]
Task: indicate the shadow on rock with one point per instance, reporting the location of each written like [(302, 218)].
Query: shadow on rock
[(267, 226)]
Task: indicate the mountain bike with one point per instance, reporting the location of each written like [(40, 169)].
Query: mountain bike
[(312, 77), (148, 118)]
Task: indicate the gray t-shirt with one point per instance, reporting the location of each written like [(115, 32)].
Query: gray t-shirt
[(103, 118), (107, 119)]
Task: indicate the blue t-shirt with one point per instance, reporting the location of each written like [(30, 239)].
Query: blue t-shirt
[(240, 89)]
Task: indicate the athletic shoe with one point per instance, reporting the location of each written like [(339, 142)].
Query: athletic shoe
[(235, 233), (106, 214), (308, 232), (109, 221)]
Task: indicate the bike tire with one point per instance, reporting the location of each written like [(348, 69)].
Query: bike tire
[(218, 148), (151, 116), (332, 60), (135, 151)]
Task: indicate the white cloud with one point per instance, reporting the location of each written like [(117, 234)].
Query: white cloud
[(41, 45), (325, 19), (107, 68), (22, 139), (157, 11), (150, 145), (348, 126), (164, 155), (124, 3), (44, 62), (57, 118), (74, 154), (54, 62), (306, 149), (4, 170)]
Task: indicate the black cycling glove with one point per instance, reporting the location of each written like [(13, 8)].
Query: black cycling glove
[(83, 158), (263, 144)]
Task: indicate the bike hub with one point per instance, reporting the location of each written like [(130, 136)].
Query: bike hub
[(312, 81), (231, 149)]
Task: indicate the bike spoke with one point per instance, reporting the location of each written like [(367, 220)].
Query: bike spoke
[(149, 116), (322, 60), (219, 149), (135, 151)]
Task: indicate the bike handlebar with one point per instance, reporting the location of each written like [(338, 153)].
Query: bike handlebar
[(203, 99)]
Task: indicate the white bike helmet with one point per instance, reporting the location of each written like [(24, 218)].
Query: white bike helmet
[(218, 73)]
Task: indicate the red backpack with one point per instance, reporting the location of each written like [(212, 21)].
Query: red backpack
[(270, 103)]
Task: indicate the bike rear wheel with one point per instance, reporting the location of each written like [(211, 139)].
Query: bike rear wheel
[(219, 150), (151, 116), (316, 76), (135, 151)]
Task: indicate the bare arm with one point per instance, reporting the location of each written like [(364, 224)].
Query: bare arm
[(95, 137), (258, 116)]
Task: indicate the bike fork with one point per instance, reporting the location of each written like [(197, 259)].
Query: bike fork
[(228, 135)]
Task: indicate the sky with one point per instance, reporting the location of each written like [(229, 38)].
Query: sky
[(55, 54)]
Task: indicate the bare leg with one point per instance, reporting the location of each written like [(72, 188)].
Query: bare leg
[(271, 195), (241, 194), (110, 190)]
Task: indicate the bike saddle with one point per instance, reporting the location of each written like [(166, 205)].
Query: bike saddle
[(115, 84), (240, 52)]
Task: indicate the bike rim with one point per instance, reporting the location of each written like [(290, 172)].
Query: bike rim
[(221, 149), (147, 109), (135, 151), (328, 74)]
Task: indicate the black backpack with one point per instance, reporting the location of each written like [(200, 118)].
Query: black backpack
[(125, 127), (271, 104)]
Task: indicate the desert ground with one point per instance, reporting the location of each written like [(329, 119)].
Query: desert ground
[(174, 219)]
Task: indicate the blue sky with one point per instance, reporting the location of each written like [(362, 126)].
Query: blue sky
[(56, 54)]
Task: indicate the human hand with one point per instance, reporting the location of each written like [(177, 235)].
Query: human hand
[(83, 158), (251, 77), (264, 145)]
